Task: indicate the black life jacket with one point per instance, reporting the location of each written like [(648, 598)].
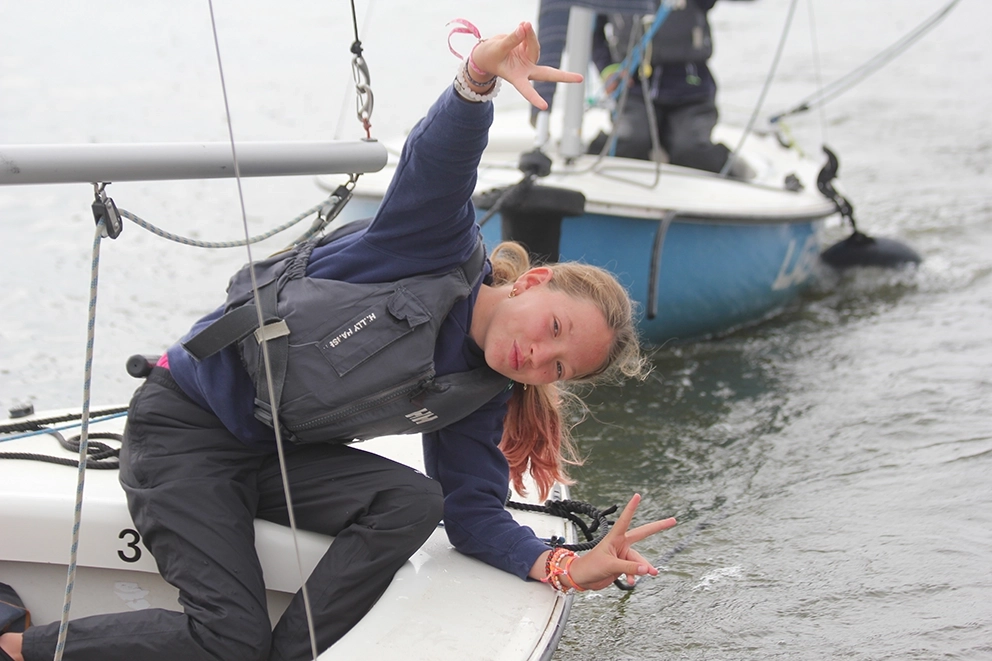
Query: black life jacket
[(683, 37), (349, 361)]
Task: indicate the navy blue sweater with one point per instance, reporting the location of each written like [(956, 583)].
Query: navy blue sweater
[(426, 224)]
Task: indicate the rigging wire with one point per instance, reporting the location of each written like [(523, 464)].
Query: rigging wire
[(265, 348), (846, 82), (764, 90), (633, 60), (636, 48), (326, 211), (817, 68)]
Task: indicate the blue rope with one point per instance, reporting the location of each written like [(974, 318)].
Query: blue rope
[(634, 57), (49, 430), (630, 64)]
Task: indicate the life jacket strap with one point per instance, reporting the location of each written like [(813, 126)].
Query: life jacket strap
[(234, 326)]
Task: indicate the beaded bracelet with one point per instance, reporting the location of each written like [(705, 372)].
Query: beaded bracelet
[(554, 571), (462, 85), (551, 568)]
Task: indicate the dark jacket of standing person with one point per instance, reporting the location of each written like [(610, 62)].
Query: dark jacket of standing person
[(680, 85)]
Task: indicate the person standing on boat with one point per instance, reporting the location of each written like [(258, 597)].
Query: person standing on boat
[(198, 463), (681, 90)]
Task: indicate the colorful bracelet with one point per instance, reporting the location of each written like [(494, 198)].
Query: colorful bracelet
[(553, 570), (565, 572), (463, 88), (472, 67)]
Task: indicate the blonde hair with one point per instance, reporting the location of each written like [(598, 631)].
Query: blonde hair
[(535, 437)]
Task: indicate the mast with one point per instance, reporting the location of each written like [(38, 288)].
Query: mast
[(578, 46)]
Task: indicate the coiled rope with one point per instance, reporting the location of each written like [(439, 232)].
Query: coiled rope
[(98, 455)]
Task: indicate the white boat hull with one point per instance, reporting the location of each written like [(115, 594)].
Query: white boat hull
[(440, 605)]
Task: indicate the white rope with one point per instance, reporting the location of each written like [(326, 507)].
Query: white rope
[(265, 348), (83, 446)]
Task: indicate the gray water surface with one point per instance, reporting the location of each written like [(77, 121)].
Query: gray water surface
[(831, 468)]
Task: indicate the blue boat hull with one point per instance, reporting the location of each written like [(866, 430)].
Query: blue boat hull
[(710, 276)]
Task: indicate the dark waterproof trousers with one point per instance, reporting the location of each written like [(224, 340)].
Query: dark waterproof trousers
[(684, 131), (194, 491)]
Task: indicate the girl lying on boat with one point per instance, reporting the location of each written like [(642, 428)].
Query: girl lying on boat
[(468, 350)]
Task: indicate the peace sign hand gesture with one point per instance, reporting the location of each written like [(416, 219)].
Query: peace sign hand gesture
[(513, 57), (614, 554)]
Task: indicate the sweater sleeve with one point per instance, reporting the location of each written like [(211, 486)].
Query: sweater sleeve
[(427, 217), (465, 458)]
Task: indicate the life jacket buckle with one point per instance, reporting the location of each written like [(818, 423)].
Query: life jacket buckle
[(272, 331)]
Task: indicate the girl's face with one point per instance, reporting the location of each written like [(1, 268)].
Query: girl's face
[(541, 335)]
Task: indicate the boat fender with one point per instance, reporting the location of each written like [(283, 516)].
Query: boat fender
[(862, 250), (14, 617)]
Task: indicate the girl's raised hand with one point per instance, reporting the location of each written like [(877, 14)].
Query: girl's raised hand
[(513, 57)]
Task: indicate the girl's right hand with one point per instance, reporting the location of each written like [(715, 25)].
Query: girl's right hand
[(513, 57)]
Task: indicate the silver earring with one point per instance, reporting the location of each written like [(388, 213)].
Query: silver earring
[(513, 292)]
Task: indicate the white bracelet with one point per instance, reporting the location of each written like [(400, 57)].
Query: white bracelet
[(466, 92)]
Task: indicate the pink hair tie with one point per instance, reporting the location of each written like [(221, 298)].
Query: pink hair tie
[(468, 28)]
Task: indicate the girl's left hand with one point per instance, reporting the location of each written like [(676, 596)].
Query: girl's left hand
[(614, 555), (513, 57)]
